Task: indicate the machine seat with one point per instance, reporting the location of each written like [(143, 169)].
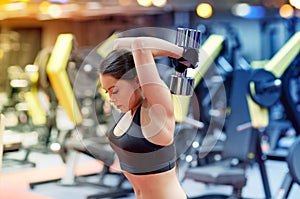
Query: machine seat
[(96, 147), (293, 160), (215, 174)]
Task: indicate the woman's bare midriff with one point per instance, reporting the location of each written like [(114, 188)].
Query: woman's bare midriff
[(161, 186)]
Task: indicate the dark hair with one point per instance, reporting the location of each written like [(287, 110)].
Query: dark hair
[(119, 63)]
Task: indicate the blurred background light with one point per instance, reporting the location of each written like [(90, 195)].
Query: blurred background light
[(204, 10), (145, 3), (286, 11), (15, 6), (295, 3), (159, 3), (43, 7), (18, 83), (93, 6), (241, 9), (54, 11), (248, 11), (82, 8)]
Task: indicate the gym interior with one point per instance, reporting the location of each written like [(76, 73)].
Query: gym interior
[(237, 128)]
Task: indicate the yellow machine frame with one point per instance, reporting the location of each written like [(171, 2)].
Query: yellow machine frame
[(56, 70), (208, 52), (277, 65)]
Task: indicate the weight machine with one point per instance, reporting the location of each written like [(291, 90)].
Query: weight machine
[(60, 61), (254, 91), (277, 81)]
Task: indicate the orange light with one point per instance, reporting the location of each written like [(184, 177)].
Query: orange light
[(43, 7), (286, 11), (204, 10)]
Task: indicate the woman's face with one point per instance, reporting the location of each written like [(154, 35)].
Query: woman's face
[(123, 94)]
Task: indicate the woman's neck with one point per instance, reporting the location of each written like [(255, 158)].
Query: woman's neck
[(133, 109)]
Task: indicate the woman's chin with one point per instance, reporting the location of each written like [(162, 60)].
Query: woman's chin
[(122, 109)]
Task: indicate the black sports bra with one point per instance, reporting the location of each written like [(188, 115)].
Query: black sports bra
[(139, 156)]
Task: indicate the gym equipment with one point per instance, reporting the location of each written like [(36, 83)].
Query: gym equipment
[(264, 88), (211, 49), (208, 52), (293, 175), (56, 70), (265, 83), (252, 116), (39, 120), (184, 136), (290, 97), (1, 138), (36, 111), (283, 66), (284, 69), (190, 40), (238, 150), (187, 119), (7, 145), (18, 120), (62, 55), (290, 100)]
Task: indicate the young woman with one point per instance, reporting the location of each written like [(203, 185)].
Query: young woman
[(143, 137)]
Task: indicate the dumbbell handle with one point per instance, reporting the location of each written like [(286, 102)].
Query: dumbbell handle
[(190, 40), (262, 87)]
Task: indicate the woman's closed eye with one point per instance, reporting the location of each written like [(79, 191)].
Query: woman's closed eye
[(114, 92)]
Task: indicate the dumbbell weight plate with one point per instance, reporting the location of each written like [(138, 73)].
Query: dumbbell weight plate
[(264, 88)]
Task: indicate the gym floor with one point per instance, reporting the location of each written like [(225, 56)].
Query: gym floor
[(276, 171)]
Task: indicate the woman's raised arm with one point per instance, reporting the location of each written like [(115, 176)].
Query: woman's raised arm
[(158, 47), (154, 89)]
